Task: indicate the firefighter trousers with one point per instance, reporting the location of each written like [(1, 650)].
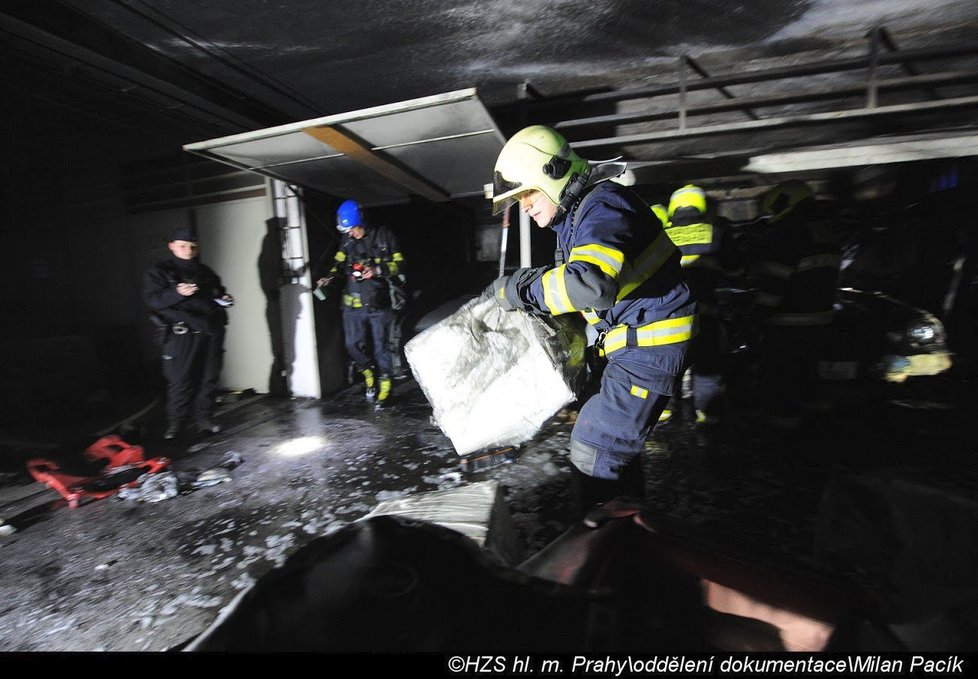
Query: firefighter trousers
[(613, 424), (706, 373), (367, 333)]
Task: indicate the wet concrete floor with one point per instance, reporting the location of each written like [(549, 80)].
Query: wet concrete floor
[(125, 575)]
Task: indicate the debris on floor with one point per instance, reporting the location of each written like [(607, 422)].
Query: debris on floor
[(152, 488), (231, 459), (211, 477), (106, 466)]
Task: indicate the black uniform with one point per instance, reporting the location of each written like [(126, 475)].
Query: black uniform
[(796, 271), (367, 313), (193, 336)]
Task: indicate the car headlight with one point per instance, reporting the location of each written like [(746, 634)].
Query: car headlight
[(927, 333), (921, 333)]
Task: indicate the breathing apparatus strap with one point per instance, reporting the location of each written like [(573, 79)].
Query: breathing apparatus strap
[(571, 193)]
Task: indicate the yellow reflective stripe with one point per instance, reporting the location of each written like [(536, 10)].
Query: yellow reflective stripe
[(776, 269), (606, 268), (352, 301), (638, 391), (393, 268), (555, 291), (397, 257), (813, 318), (767, 299), (616, 340), (669, 331), (659, 333), (647, 264), (694, 234), (688, 259), (609, 260), (827, 261), (340, 256), (590, 316)]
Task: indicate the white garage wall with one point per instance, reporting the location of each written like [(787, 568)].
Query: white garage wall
[(231, 236)]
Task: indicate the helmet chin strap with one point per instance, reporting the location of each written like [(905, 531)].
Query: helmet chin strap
[(571, 193), (579, 181)]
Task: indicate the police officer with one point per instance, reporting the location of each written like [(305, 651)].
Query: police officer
[(707, 257), (371, 265), (796, 272), (187, 303), (616, 266)]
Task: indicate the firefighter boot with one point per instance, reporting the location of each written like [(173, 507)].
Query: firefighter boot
[(706, 420), (368, 378), (384, 391), (588, 493)]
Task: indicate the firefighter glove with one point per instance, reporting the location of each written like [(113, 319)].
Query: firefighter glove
[(499, 290)]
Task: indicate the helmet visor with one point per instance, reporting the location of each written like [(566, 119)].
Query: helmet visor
[(505, 192)]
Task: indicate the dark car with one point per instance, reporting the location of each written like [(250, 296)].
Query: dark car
[(876, 346)]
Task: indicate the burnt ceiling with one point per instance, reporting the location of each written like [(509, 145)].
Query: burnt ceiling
[(680, 89)]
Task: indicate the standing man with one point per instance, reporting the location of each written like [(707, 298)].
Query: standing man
[(617, 267), (796, 271), (707, 257), (372, 267), (187, 303)]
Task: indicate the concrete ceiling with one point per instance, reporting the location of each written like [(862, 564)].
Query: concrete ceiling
[(682, 89)]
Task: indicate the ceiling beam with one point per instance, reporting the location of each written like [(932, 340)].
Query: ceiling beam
[(357, 150), (859, 153), (922, 82), (727, 94), (760, 75), (781, 122)]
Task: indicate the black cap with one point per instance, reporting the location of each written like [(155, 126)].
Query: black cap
[(183, 233)]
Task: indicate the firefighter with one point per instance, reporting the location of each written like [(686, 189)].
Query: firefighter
[(187, 303), (616, 266), (795, 271), (707, 257), (371, 265)]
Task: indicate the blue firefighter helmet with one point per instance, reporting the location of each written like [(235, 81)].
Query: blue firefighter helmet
[(348, 216)]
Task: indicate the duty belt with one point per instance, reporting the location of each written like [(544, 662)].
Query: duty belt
[(181, 328), (656, 334)]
